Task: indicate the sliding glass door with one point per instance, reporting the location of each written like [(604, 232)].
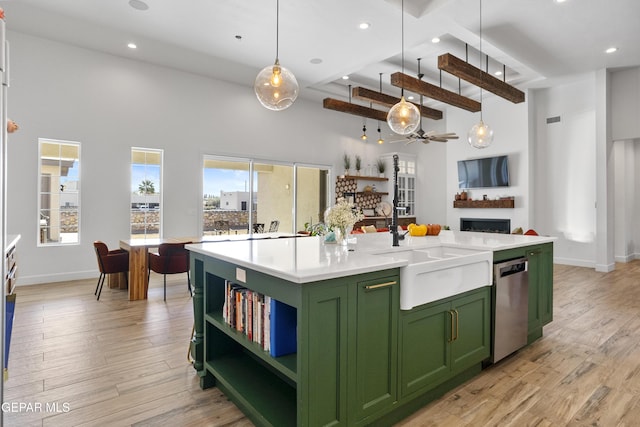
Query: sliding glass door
[(256, 196)]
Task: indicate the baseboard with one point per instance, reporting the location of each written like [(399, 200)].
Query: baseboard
[(56, 277), (605, 268), (626, 258), (574, 262)]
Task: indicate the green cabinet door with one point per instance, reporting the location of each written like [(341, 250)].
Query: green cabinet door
[(375, 366), (540, 288), (442, 339), (425, 351), (324, 396), (472, 343)]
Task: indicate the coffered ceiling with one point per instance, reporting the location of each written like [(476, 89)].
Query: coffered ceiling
[(539, 42)]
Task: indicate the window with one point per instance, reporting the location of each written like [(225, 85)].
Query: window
[(407, 185), (243, 196), (406, 182), (58, 193), (146, 193)]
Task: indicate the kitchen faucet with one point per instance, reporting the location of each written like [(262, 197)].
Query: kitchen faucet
[(394, 217)]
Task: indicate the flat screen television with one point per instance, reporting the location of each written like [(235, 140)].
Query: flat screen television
[(483, 173)]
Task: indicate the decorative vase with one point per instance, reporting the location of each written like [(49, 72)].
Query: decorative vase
[(347, 172), (381, 174), (342, 234)]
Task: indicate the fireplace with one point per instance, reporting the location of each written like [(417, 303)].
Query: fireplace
[(486, 225)]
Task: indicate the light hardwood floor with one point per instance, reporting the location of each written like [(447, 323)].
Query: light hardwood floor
[(121, 363)]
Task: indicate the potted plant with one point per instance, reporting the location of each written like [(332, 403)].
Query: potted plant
[(347, 163), (358, 164), (381, 165)]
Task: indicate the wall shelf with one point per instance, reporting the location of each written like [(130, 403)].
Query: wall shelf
[(486, 204), (368, 178)]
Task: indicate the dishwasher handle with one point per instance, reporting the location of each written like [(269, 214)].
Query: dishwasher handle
[(514, 266)]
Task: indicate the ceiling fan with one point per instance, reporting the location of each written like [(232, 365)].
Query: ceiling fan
[(420, 135)]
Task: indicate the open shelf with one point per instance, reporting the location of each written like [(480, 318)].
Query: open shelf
[(368, 178), (287, 364), (501, 204), (263, 395), (368, 193)]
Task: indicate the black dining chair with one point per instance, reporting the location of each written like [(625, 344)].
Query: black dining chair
[(273, 227), (172, 258), (258, 228), (110, 262)]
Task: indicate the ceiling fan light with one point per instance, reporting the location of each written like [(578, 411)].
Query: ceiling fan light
[(276, 87), (404, 117), (480, 135)]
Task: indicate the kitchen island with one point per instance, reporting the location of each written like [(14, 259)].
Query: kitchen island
[(357, 358)]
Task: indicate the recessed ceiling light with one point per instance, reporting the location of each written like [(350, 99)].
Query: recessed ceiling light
[(132, 46), (498, 73), (435, 40), (560, 1), (410, 97), (316, 61), (364, 25), (611, 50), (138, 4), (345, 77)]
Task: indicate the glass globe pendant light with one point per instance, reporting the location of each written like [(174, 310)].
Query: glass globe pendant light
[(404, 117), (480, 135), (275, 86)]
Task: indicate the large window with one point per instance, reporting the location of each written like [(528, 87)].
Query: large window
[(247, 196), (58, 193), (146, 193)]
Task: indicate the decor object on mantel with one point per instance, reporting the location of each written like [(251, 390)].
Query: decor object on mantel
[(382, 166), (358, 164), (347, 163), (275, 86), (480, 135), (340, 219), (403, 118)]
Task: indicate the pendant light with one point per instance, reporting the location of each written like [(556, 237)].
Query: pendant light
[(275, 86), (404, 117), (380, 140), (480, 135), (364, 133)]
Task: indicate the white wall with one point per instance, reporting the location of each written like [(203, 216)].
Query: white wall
[(625, 189), (110, 104), (565, 164), (625, 104), (510, 125)]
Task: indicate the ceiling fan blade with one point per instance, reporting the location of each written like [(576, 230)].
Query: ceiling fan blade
[(438, 139)]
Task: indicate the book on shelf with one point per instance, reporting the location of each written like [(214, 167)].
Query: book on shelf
[(263, 320)]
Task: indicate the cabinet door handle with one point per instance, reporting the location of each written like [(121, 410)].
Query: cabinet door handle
[(380, 285), (451, 332), (457, 324)]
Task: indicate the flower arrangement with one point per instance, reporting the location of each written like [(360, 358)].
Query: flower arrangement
[(342, 216)]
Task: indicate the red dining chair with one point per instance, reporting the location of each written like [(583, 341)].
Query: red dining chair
[(109, 262), (172, 258)]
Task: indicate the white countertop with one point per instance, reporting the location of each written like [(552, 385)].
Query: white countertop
[(309, 259)]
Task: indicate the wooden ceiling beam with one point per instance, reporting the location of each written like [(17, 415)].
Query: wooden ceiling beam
[(355, 109), (389, 101), (467, 72), (432, 91)]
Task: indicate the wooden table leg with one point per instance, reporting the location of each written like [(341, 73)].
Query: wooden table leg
[(117, 281), (138, 271)]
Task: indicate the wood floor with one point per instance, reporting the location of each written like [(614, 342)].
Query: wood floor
[(78, 361)]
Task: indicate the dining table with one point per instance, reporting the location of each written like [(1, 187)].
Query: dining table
[(138, 248)]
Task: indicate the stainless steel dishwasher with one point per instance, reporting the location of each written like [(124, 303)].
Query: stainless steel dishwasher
[(511, 311)]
